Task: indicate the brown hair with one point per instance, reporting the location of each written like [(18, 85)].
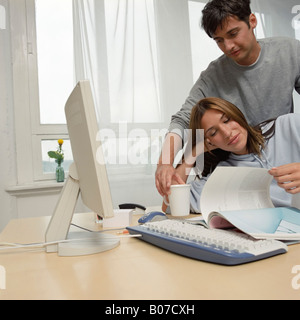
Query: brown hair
[(255, 140), (216, 12)]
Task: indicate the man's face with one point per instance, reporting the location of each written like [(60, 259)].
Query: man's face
[(238, 41)]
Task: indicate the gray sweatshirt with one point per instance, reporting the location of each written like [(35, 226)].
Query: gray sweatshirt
[(283, 148), (261, 91)]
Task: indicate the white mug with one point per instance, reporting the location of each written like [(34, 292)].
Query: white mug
[(179, 200)]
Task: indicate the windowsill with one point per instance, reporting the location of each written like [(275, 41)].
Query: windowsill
[(53, 187), (36, 188)]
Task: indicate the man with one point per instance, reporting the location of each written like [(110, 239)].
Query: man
[(257, 76)]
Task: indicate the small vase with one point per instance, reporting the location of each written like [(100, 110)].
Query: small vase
[(60, 173)]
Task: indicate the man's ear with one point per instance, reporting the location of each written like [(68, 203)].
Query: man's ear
[(253, 21)]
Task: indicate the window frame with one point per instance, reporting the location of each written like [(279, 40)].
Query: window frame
[(40, 131)]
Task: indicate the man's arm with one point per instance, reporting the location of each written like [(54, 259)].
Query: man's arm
[(165, 171), (166, 174)]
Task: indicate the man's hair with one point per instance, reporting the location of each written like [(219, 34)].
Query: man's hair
[(216, 13)]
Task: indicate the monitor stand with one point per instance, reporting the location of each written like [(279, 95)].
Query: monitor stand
[(78, 243)]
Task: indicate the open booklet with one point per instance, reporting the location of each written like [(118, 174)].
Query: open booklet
[(240, 197)]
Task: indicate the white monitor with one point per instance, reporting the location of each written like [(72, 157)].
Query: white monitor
[(87, 175)]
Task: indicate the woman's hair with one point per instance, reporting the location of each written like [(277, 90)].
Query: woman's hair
[(255, 141), (216, 12)]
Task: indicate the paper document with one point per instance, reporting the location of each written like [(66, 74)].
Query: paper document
[(235, 197), (232, 188)]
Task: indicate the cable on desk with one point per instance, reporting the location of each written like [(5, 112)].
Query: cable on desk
[(100, 231), (124, 231), (4, 246)]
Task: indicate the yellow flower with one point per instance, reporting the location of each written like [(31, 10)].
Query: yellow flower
[(58, 155)]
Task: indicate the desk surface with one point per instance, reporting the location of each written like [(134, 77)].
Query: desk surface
[(135, 271)]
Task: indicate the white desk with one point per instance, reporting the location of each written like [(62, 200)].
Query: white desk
[(135, 271)]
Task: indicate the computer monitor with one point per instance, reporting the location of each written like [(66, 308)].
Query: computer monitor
[(87, 175)]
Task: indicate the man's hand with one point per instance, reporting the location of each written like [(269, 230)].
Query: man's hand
[(288, 177), (165, 176)]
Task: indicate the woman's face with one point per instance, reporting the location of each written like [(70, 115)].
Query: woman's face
[(224, 133)]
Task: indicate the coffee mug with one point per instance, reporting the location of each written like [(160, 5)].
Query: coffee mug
[(179, 200)]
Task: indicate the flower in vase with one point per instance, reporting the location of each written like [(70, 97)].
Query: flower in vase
[(58, 155)]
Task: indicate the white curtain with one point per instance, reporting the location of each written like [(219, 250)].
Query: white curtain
[(115, 47), (138, 58), (132, 61), (90, 51)]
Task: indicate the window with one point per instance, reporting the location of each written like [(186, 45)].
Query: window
[(55, 65), (49, 65), (41, 84), (54, 30)]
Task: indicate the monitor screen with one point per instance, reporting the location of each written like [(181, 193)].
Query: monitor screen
[(87, 176)]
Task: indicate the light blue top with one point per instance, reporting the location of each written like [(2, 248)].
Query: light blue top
[(283, 148)]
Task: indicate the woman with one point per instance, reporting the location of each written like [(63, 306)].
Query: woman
[(274, 145)]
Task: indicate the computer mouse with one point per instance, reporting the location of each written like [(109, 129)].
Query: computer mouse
[(152, 217)]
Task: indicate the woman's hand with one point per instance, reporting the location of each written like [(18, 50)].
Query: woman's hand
[(288, 177)]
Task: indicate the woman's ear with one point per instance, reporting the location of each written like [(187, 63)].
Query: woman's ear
[(208, 145), (208, 141)]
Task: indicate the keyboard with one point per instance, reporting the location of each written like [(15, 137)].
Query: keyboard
[(222, 247)]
